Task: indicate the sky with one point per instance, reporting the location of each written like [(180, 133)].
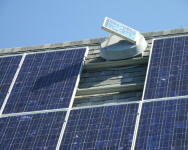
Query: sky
[(37, 22)]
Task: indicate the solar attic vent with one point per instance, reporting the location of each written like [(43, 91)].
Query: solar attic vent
[(123, 42)]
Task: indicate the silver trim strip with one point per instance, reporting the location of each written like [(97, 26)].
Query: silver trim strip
[(165, 99), (105, 105), (1, 56), (71, 103), (56, 50), (32, 112), (169, 37), (140, 103)]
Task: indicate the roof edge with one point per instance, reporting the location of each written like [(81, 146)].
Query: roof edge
[(73, 44), (166, 32), (87, 42)]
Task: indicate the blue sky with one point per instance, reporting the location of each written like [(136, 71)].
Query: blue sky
[(36, 22)]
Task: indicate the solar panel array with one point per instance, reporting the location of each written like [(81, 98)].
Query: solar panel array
[(40, 97), (38, 114), (163, 122)]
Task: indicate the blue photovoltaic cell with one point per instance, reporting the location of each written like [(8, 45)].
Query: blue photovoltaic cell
[(168, 70), (163, 126), (8, 67), (109, 127), (46, 81), (36, 132)]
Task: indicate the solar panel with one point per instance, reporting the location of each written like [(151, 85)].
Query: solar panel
[(8, 67), (120, 29), (109, 127), (36, 131), (168, 69), (46, 81), (163, 125)]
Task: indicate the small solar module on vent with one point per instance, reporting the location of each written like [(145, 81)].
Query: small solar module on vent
[(37, 131), (109, 127), (46, 81), (163, 125), (8, 67), (168, 70)]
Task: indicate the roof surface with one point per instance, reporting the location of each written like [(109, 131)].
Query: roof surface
[(103, 81)]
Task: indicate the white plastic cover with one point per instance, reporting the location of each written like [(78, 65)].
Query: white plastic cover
[(115, 48)]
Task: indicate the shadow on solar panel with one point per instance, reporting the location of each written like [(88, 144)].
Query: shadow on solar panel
[(56, 76)]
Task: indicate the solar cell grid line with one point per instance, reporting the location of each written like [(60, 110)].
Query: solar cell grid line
[(168, 68), (46, 81), (32, 131), (8, 68), (106, 127), (163, 125)]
